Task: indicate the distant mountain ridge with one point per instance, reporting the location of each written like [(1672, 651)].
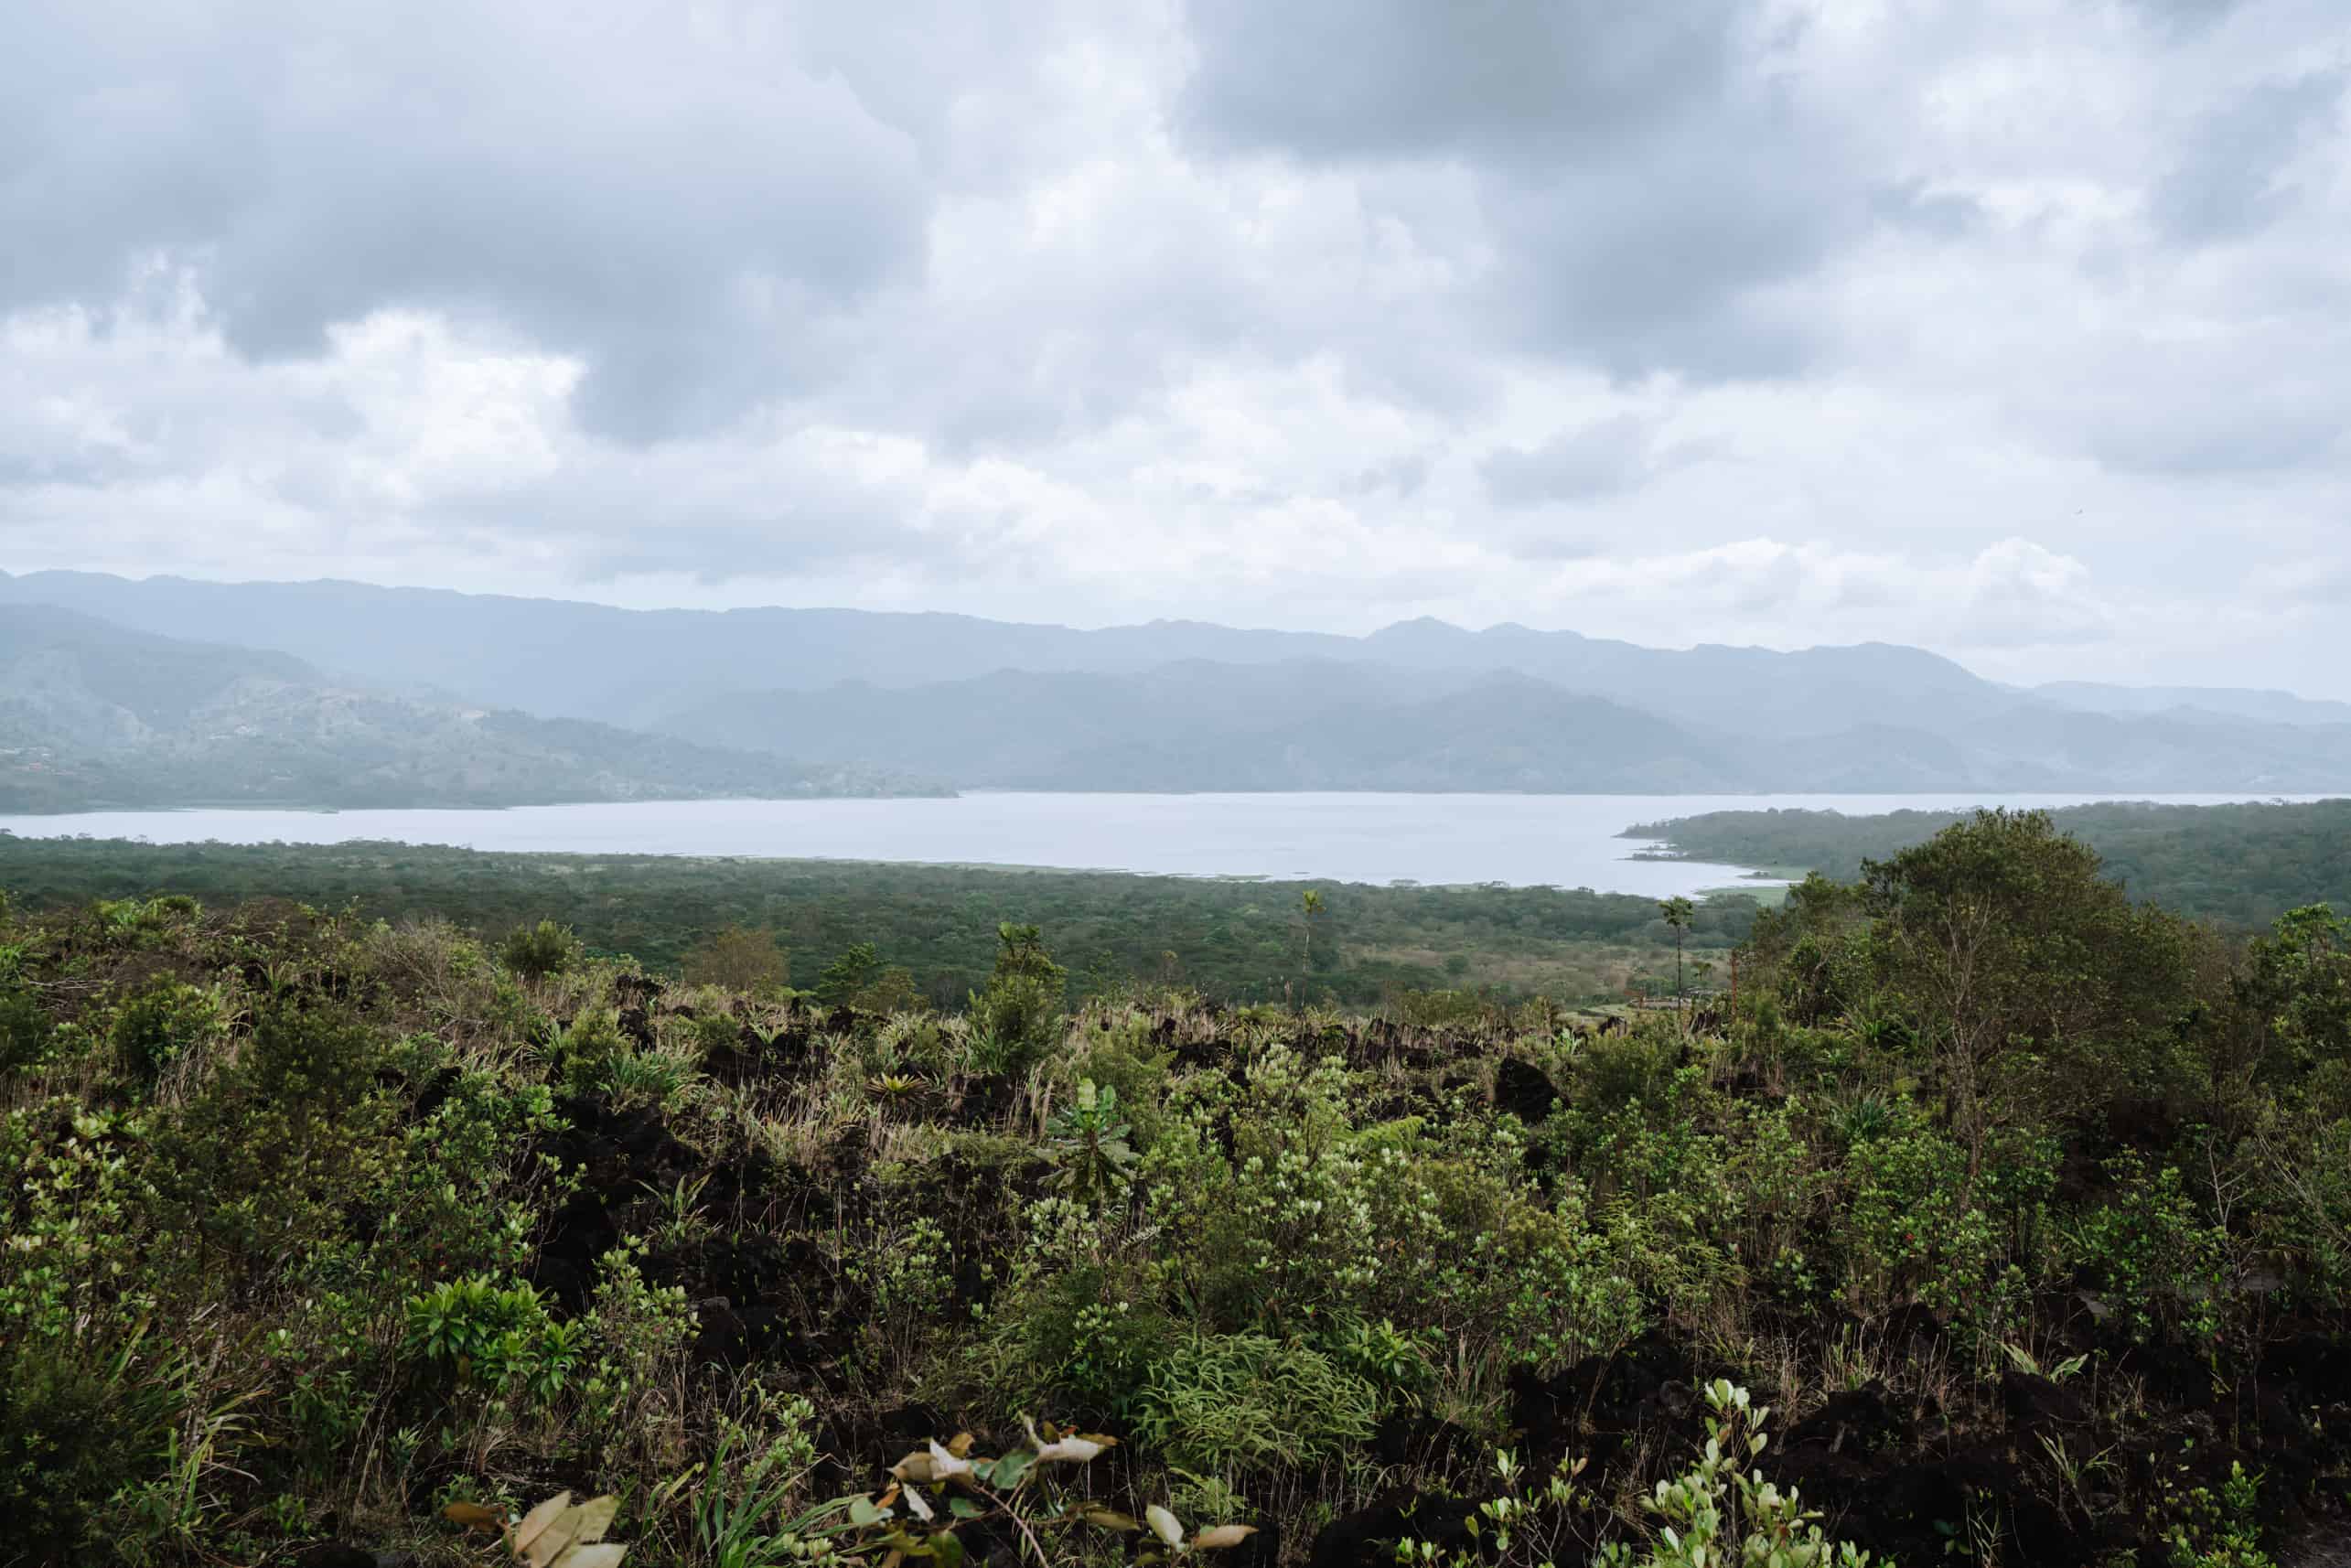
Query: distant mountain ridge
[(93, 715), (634, 667), (1319, 725), (1419, 705), (2223, 702), (1196, 725)]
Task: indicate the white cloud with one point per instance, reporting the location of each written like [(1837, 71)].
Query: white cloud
[(2022, 330)]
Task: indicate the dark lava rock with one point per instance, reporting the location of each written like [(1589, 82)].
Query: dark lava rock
[(336, 1554), (1370, 1535), (2033, 1403), (1857, 1423), (1522, 1090), (1405, 1439)]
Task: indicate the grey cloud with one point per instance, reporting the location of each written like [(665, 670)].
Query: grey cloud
[(2226, 184), (2195, 415), (1944, 215), (1511, 80), (1642, 174), (2185, 15), (1592, 460), (1401, 476), (664, 204)]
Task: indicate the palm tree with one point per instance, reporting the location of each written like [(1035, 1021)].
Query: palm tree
[(1678, 912), (1312, 903)]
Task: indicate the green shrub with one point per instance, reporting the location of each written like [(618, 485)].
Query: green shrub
[(537, 951), (1232, 1403), (496, 1336), (71, 1435), (155, 1028), (2161, 1264), (1016, 1019)]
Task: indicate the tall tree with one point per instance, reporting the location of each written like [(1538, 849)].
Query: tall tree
[(2007, 947), (1678, 912)]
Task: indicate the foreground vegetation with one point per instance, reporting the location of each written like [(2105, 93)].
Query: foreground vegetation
[(935, 926), (2026, 1210), (2242, 865)]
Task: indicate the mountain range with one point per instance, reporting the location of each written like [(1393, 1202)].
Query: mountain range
[(95, 714), (439, 695)]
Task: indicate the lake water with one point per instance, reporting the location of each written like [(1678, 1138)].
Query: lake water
[(1566, 841)]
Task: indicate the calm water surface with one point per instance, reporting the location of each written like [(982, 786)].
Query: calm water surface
[(1568, 840)]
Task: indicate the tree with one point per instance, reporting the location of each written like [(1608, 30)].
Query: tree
[(2006, 947), (845, 976), (740, 959), (1310, 904), (1016, 1018), (1678, 912)]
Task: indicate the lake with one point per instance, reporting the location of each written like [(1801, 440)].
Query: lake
[(1566, 841)]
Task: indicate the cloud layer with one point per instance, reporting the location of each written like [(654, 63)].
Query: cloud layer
[(2019, 330)]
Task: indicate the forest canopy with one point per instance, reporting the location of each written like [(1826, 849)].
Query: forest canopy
[(2241, 864)]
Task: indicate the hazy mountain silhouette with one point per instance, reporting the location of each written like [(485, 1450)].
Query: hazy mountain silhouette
[(1168, 705), (94, 715)]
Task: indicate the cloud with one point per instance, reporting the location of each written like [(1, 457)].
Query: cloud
[(1643, 169), (2022, 330), (1579, 463), (672, 197), (2230, 179)]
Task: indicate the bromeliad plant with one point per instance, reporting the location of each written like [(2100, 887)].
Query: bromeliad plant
[(1089, 1143)]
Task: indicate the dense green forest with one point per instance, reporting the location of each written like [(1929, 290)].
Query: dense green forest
[(1232, 940), (2240, 864), (2004, 1220)]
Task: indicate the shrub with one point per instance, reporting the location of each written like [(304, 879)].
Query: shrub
[(537, 951), (1230, 1403), (496, 1336), (1016, 1019), (155, 1028), (71, 1434), (2152, 1252)]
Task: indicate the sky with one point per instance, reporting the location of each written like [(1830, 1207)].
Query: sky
[(2018, 329)]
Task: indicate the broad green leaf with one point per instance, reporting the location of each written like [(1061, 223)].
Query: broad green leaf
[(1013, 1468)]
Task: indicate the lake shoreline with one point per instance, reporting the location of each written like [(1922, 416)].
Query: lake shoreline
[(1366, 838)]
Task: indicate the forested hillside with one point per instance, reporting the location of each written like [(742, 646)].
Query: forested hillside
[(2240, 864), (1220, 726), (1420, 705), (95, 715), (932, 926), (2003, 1220)]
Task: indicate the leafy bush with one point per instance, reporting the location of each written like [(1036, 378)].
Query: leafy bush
[(2159, 1260), (498, 1336), (1232, 1403), (155, 1027), (72, 1433), (538, 951), (1016, 1019)]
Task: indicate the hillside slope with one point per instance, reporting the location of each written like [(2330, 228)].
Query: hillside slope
[(1198, 726), (562, 658), (95, 715)]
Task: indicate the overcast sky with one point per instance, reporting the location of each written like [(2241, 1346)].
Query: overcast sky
[(2017, 328)]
